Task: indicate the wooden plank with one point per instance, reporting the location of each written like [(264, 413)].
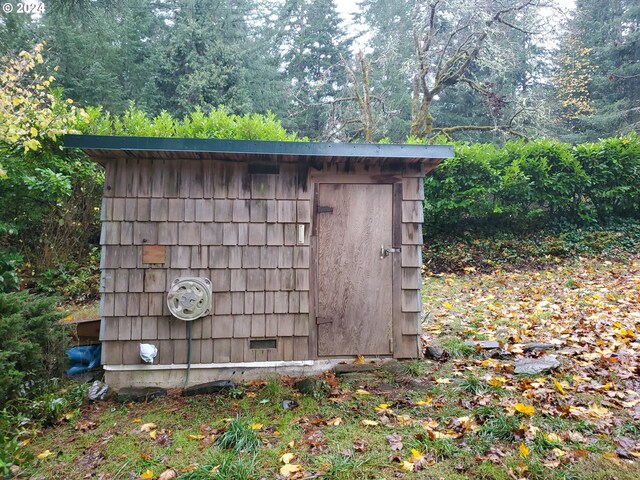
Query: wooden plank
[(221, 280), (199, 257), (250, 257), (149, 328), (304, 302), (156, 304), (144, 174), (258, 302), (110, 172), (263, 186), (242, 326), (171, 178), (243, 233), (410, 170), (412, 211), (222, 350), (238, 280), (178, 329), (121, 282), (350, 268), (269, 257), (281, 302), (107, 280), (221, 174), (287, 348), (208, 173), (411, 301), (411, 278), (275, 234), (189, 234), (290, 234), (303, 208), (301, 325), (301, 257), (204, 210), (112, 353), (126, 233), (413, 188), (301, 279), (180, 256), (107, 305), (235, 257), (136, 328), (154, 254), (411, 234), (409, 347), (176, 210), (145, 233), (159, 209), (223, 210), (157, 178), (118, 209), (286, 184), (286, 325), (106, 209), (206, 351), (110, 257), (120, 305), (237, 350), (230, 234), (294, 302), (164, 327), (271, 325), (144, 304), (268, 302), (222, 303), (258, 326), (272, 280), (136, 280), (272, 211), (258, 210), (248, 302), (218, 257), (222, 326), (240, 211), (110, 330), (168, 233), (410, 323), (144, 210), (130, 209), (255, 280), (300, 348), (195, 351), (207, 326), (237, 303), (165, 352), (285, 257), (211, 234), (286, 211), (110, 233), (129, 256), (397, 267), (122, 175), (287, 279), (188, 173), (189, 210), (257, 234), (411, 256), (180, 351)]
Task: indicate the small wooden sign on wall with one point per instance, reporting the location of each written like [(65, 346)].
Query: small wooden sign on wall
[(154, 254)]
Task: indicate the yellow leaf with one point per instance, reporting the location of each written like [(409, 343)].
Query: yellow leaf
[(289, 468), (39, 58), (195, 437), (427, 401), (496, 381), (147, 427), (359, 360), (256, 426), (335, 422), (56, 68), (558, 386), (524, 451), (408, 466), (362, 392), (416, 456), (287, 457), (34, 132), (153, 434), (447, 305), (135, 420), (291, 443), (526, 409), (443, 380), (16, 101), (369, 423), (45, 454), (147, 474)]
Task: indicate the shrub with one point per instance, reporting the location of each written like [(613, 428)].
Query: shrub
[(32, 344)]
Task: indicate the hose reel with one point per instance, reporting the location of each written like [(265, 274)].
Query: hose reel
[(189, 298)]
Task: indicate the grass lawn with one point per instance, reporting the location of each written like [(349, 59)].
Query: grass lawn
[(465, 415)]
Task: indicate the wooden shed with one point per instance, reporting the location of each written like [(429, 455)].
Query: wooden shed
[(312, 252)]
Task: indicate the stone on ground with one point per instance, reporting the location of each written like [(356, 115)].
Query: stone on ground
[(536, 365)]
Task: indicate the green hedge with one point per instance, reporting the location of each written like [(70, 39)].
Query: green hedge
[(529, 184)]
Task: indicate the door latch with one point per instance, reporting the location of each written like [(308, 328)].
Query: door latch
[(384, 252)]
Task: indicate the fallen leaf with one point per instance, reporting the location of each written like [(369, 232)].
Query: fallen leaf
[(524, 451), (45, 454), (362, 392), (359, 360), (195, 437), (408, 466), (289, 468), (525, 409), (169, 474), (496, 381), (147, 474), (147, 427), (558, 386), (443, 380), (287, 457), (369, 423), (136, 420), (256, 426), (425, 402), (447, 305), (153, 434), (335, 422), (395, 441)]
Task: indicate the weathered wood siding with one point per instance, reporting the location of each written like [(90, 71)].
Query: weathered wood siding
[(209, 219)]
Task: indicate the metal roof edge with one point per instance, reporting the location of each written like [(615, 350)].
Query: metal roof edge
[(208, 145)]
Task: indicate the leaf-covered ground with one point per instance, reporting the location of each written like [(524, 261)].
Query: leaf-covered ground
[(464, 415)]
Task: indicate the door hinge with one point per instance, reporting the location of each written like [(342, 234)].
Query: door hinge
[(325, 209), (321, 320)]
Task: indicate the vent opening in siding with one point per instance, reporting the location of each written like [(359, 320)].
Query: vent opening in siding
[(261, 168), (263, 343)]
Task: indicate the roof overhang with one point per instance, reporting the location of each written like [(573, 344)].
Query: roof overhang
[(104, 148)]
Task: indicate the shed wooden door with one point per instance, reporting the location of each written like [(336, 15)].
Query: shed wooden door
[(354, 295)]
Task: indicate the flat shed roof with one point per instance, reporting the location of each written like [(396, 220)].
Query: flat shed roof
[(102, 148)]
